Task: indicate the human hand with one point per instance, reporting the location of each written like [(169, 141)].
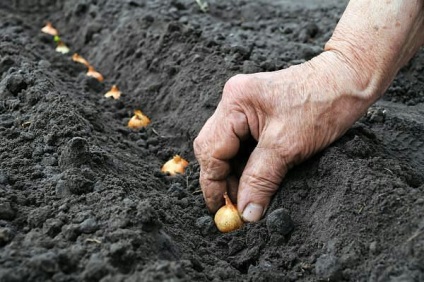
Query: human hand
[(291, 113), (296, 112)]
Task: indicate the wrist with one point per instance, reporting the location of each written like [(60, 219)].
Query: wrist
[(355, 77), (374, 39)]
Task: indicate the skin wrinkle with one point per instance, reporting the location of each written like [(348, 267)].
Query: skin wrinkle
[(216, 169), (385, 65), (222, 142), (259, 181), (253, 179), (258, 122), (252, 127)]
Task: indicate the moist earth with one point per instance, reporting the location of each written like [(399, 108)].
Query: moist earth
[(82, 197)]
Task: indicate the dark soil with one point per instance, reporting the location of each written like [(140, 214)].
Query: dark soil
[(82, 197)]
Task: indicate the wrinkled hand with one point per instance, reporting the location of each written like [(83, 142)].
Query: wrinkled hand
[(291, 113), (296, 112)]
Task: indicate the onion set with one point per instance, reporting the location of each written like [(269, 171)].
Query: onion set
[(93, 73), (79, 59), (227, 218), (139, 120), (113, 92), (62, 48), (174, 166), (49, 29)]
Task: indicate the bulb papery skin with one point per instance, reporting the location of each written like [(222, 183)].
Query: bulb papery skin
[(227, 218)]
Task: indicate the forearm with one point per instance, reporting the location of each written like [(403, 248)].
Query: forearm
[(376, 38)]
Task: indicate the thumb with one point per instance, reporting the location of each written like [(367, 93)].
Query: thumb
[(260, 180)]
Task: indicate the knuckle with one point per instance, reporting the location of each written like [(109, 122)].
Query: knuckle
[(233, 85)]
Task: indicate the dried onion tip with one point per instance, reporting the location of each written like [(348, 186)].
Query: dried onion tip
[(175, 165), (138, 121), (93, 73), (49, 29), (113, 92), (77, 58), (227, 218)]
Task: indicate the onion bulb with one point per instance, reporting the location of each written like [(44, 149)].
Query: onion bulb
[(113, 92), (49, 29), (227, 218), (138, 121), (92, 72), (62, 48), (175, 165), (77, 58)]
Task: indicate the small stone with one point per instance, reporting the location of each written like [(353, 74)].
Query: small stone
[(88, 226), (6, 235), (328, 267), (6, 211), (206, 225), (280, 222)]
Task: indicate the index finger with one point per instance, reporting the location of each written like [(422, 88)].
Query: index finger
[(216, 144)]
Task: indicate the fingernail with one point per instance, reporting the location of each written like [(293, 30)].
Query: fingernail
[(252, 212)]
